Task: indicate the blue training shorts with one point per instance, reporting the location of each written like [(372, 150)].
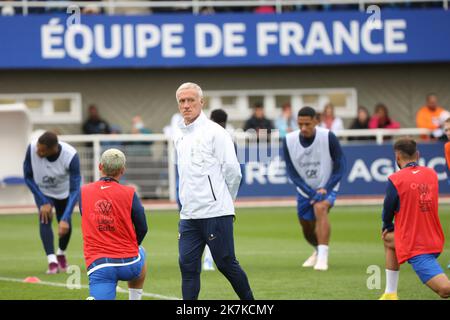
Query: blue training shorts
[(103, 280), (426, 266), (305, 210)]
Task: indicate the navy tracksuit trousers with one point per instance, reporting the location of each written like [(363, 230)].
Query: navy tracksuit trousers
[(218, 234)]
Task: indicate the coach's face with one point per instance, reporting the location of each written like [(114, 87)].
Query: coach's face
[(307, 126), (190, 104)]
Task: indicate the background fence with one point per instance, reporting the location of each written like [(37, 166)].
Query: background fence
[(151, 161)]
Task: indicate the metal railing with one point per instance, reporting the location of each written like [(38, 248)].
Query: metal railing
[(379, 135), (195, 5), (151, 157), (150, 165)]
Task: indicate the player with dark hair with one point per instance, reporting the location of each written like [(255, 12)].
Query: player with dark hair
[(219, 116), (315, 164), (52, 173), (417, 237)]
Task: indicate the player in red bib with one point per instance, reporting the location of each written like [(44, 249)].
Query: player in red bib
[(412, 198), (113, 224)]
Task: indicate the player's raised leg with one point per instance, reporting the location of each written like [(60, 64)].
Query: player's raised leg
[(392, 268)]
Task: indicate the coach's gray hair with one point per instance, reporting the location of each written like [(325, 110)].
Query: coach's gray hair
[(112, 160), (189, 85)]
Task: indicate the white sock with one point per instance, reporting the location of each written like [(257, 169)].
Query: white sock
[(392, 281), (322, 251), (60, 252), (135, 294), (52, 258)]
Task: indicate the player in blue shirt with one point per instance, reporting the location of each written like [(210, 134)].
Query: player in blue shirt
[(315, 164), (52, 173)]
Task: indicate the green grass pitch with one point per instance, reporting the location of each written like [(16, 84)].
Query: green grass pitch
[(269, 246)]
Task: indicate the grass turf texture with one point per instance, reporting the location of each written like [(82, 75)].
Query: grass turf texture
[(269, 246)]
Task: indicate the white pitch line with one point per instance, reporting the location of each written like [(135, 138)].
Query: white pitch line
[(63, 285)]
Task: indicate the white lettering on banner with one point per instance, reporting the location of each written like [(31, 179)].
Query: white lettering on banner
[(288, 38), (366, 40), (82, 53), (350, 37), (231, 40), (272, 173), (265, 37), (80, 41), (128, 41), (234, 39), (116, 44), (359, 171), (202, 32), (318, 40), (147, 36), (291, 36), (255, 171), (438, 161), (276, 171), (393, 33), (382, 168), (172, 35), (51, 36)]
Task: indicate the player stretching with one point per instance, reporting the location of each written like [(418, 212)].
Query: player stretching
[(412, 197), (52, 173), (316, 164)]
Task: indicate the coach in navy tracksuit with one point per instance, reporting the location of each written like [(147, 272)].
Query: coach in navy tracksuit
[(209, 181)]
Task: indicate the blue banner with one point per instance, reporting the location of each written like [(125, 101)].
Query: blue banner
[(180, 40), (368, 168)]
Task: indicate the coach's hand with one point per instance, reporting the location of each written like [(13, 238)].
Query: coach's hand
[(63, 228), (46, 213)]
